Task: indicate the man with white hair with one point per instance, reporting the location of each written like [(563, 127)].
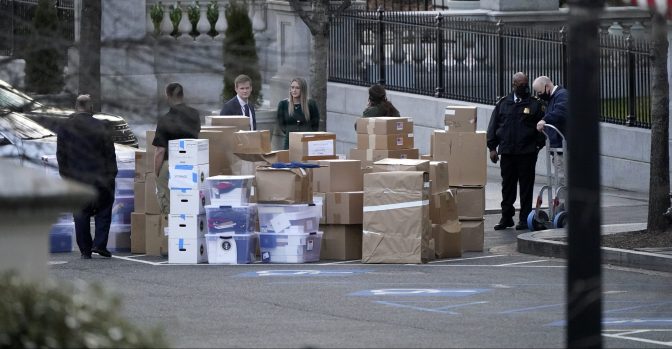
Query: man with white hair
[(556, 98)]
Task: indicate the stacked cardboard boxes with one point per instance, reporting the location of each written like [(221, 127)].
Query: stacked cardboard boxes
[(384, 137), (340, 185)]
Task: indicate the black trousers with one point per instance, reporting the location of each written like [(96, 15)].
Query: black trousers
[(101, 209), (517, 170)]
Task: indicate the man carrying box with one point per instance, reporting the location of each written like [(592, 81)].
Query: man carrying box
[(180, 122)]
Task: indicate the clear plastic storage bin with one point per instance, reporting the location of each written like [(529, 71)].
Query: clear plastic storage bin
[(122, 208), (231, 219), (290, 248), (291, 219), (60, 237), (227, 248), (230, 190)]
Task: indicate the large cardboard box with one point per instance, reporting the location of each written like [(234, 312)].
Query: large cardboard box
[(283, 185), (466, 156), (253, 142), (369, 156), (387, 165), (156, 242), (384, 125), (473, 236), (470, 202), (141, 168), (149, 148), (139, 195), (221, 141), (307, 146), (391, 141), (338, 175), (447, 240), (344, 207), (240, 122), (438, 176), (341, 242), (443, 207), (138, 222), (188, 152), (396, 227), (151, 200), (460, 118)]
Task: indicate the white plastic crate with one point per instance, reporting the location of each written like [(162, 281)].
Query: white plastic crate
[(294, 219), (290, 248), (230, 190), (227, 248)]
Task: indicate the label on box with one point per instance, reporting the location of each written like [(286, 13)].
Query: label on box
[(280, 223), (450, 112), (400, 125), (321, 148), (309, 245), (400, 140)]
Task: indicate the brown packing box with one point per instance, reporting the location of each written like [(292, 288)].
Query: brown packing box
[(396, 227), (221, 144), (338, 175), (473, 236), (139, 197), (460, 118), (283, 185), (321, 198), (470, 202), (138, 222), (387, 165), (341, 242), (384, 125), (241, 123), (344, 207), (466, 156), (438, 176), (141, 164), (447, 240), (156, 242), (443, 207), (151, 201), (149, 149), (392, 141), (252, 142), (268, 158), (306, 146), (369, 156)]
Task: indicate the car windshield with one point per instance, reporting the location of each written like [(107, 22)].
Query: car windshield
[(23, 127), (14, 100)]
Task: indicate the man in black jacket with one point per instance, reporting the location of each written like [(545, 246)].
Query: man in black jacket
[(239, 105), (85, 153), (512, 133)]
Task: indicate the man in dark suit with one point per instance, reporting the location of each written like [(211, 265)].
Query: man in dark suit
[(85, 153), (239, 105)]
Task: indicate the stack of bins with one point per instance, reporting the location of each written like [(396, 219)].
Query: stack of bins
[(188, 161), (289, 233), (231, 220), (384, 137)]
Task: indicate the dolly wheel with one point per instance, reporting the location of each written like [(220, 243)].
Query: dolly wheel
[(560, 220)]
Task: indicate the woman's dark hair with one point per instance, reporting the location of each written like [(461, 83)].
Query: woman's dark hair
[(377, 97)]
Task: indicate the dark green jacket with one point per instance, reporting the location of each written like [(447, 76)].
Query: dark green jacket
[(297, 122)]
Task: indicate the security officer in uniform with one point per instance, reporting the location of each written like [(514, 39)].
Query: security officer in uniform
[(512, 133)]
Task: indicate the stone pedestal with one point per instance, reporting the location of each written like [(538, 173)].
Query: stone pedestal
[(520, 5)]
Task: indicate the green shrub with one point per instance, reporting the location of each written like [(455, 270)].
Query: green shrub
[(194, 14), (46, 54), (240, 52), (59, 315), (213, 16), (156, 13), (175, 14)]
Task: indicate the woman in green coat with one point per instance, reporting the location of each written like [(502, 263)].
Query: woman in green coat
[(301, 115)]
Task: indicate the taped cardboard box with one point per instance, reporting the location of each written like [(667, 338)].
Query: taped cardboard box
[(466, 156), (138, 222), (341, 242), (252, 142), (438, 177), (384, 125), (222, 159), (387, 165), (443, 207), (396, 227), (141, 168), (369, 156), (470, 202), (139, 197), (391, 141), (283, 185), (460, 118), (151, 200), (149, 149), (338, 176), (473, 236), (307, 146), (241, 123), (344, 207), (447, 240), (156, 242)]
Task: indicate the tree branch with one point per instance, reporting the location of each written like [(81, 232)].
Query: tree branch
[(311, 23)]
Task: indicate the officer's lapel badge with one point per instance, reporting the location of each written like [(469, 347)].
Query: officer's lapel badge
[(526, 110)]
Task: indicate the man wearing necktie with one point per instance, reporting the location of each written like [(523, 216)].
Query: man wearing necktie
[(239, 105), (512, 133)]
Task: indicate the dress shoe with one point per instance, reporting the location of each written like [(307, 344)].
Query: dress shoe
[(521, 226), (102, 252), (85, 256), (504, 223)]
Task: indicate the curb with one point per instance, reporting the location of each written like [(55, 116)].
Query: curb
[(543, 243)]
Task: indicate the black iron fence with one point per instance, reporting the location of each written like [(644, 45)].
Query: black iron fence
[(468, 59)]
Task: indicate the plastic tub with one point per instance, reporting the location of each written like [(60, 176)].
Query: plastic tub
[(60, 237), (227, 248), (122, 208), (230, 190), (294, 219), (231, 219), (123, 186), (290, 248)]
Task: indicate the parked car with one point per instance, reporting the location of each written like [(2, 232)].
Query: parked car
[(51, 117)]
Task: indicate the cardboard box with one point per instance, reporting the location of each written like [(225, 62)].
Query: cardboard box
[(338, 175), (460, 118), (156, 242), (392, 141), (149, 149), (187, 226), (240, 122), (384, 125), (426, 157), (252, 142), (438, 177), (306, 146), (321, 199), (221, 144), (396, 227), (473, 236), (387, 165), (188, 152), (447, 240), (187, 201), (369, 156), (267, 158), (188, 176), (187, 251), (341, 242), (466, 156), (470, 202), (138, 232), (151, 200), (443, 207), (344, 207), (141, 168), (283, 185), (139, 195)]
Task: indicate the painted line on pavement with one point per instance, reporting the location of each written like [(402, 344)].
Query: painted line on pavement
[(638, 339), (519, 263), (464, 259), (135, 260), (341, 262), (636, 307), (521, 310)]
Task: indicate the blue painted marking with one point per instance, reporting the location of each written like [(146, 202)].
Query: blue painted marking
[(661, 322), (303, 272), (443, 310), (523, 310), (421, 292)]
